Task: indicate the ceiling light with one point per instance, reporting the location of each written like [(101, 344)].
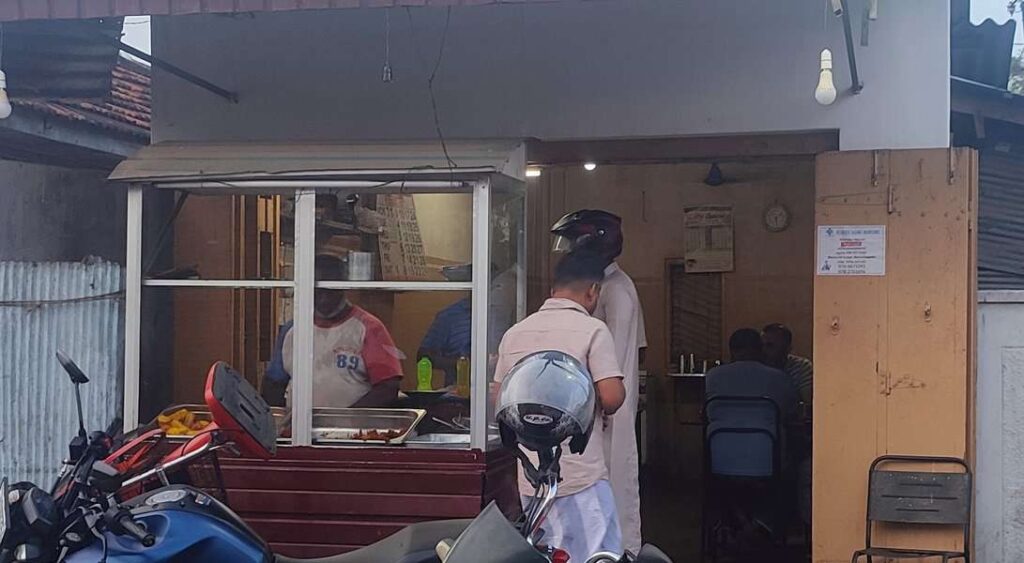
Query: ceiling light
[(590, 166), (533, 172)]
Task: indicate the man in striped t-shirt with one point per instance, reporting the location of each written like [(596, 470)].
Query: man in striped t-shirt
[(778, 348)]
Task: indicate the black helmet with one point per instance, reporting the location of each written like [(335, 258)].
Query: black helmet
[(546, 399), (592, 229)]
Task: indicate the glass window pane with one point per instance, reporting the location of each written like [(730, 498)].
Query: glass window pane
[(218, 237), (397, 237), (367, 344), (187, 330), (507, 263)]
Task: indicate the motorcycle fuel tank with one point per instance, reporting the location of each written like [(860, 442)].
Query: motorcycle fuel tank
[(188, 525)]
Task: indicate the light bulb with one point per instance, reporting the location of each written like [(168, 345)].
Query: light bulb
[(533, 172), (825, 93), (590, 166), (5, 102)]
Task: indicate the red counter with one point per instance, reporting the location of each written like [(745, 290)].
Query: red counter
[(312, 502)]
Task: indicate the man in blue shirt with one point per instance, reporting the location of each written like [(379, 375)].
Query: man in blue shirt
[(746, 376), (448, 338)]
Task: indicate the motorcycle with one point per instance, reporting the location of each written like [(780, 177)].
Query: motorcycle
[(88, 517)]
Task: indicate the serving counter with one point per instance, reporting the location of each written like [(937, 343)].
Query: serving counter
[(312, 502)]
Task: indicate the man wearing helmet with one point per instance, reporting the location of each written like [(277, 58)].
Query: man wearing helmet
[(583, 520), (600, 232)]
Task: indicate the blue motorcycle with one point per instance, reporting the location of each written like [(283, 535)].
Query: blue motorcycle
[(82, 519)]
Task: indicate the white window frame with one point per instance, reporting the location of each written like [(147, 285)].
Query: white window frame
[(303, 285)]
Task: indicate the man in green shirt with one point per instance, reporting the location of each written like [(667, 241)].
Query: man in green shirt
[(778, 348)]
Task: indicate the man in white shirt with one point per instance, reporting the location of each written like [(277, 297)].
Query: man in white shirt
[(600, 232)]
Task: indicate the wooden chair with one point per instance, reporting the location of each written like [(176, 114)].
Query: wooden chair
[(918, 498)]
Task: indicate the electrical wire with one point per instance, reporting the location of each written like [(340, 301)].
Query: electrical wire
[(430, 82)]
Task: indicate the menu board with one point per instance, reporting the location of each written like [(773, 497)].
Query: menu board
[(708, 234), (401, 246)]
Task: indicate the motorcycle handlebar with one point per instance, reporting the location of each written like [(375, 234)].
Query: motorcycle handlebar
[(126, 522)]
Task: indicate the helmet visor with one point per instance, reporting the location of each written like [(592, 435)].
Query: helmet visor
[(562, 244)]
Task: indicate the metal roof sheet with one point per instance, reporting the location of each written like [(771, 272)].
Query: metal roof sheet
[(69, 60), (176, 161), (11, 10), (126, 109)]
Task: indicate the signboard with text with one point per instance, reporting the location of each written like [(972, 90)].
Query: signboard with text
[(851, 250)]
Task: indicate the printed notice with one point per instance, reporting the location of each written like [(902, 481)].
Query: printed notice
[(708, 238), (851, 250)]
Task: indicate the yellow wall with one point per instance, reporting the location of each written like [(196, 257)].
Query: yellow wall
[(773, 280)]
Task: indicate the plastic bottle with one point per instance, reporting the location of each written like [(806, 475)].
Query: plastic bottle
[(462, 376), (424, 374)]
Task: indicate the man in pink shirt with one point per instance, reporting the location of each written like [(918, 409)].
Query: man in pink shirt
[(583, 520)]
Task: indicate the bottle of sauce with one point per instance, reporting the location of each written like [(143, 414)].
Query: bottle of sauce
[(424, 374), (462, 377)]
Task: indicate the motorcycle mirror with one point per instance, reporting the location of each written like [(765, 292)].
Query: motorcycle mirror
[(74, 372), (78, 378)]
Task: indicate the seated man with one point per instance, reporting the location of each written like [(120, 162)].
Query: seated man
[(583, 519), (355, 361), (746, 376), (778, 353)]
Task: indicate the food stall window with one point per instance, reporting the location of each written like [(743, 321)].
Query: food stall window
[(507, 287), (190, 328), (203, 236), (406, 240)]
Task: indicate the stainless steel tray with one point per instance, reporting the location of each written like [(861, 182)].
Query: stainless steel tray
[(202, 412), (351, 426), (439, 440)]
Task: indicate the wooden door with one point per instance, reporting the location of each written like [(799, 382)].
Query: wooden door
[(893, 353)]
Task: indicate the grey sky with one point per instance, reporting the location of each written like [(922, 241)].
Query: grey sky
[(996, 10), (136, 32)]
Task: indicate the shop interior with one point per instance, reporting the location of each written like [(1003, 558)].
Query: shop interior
[(757, 269), (767, 185)]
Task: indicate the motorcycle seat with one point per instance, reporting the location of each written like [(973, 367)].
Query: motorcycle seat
[(412, 544)]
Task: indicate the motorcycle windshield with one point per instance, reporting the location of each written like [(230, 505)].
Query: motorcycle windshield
[(491, 538)]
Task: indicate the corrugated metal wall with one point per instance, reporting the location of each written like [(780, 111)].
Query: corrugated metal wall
[(1000, 222), (75, 307)]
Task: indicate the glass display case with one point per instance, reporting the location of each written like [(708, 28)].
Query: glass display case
[(350, 284)]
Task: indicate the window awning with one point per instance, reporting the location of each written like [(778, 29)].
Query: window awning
[(13, 10), (174, 162)]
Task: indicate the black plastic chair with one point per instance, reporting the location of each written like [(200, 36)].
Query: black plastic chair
[(920, 498), (723, 484)]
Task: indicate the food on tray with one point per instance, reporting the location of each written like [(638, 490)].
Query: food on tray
[(376, 435), (181, 422)]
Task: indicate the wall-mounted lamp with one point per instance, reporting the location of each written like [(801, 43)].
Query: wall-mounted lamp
[(533, 172), (590, 166)]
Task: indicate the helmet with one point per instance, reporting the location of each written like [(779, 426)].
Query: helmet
[(546, 399), (593, 229)]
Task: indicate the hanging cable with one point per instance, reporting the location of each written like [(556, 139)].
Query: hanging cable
[(430, 82)]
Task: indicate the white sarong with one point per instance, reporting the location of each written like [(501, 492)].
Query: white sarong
[(584, 523)]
